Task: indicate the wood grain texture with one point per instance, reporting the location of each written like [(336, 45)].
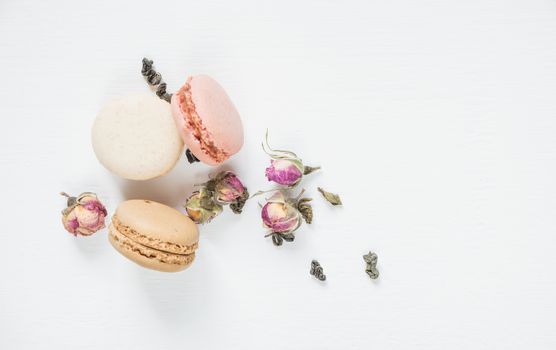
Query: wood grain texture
[(434, 120)]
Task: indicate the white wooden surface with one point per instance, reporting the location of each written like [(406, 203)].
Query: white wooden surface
[(435, 121)]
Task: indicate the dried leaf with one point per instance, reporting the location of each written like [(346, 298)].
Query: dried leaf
[(332, 198), (305, 209), (277, 239), (309, 169), (237, 207), (288, 237)]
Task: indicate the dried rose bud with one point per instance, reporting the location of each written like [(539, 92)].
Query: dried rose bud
[(201, 208), (280, 216), (286, 168), (229, 190), (284, 172), (84, 214), (283, 215)]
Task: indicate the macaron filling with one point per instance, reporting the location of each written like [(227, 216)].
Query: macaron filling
[(150, 253), (151, 242), (151, 248), (194, 124)]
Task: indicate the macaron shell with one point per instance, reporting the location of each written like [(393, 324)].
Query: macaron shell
[(165, 228), (146, 257), (135, 137), (187, 135), (218, 114)]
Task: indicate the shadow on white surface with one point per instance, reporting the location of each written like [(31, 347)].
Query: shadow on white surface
[(170, 189), (93, 247), (173, 188), (177, 299)]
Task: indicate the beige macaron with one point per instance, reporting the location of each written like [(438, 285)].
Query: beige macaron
[(154, 235)]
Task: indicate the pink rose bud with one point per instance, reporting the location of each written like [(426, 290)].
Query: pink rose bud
[(284, 172), (229, 189), (201, 208), (286, 168), (84, 215), (280, 216), (283, 215)]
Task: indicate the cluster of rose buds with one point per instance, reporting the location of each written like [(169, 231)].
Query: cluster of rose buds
[(225, 188), (84, 215), (282, 215)]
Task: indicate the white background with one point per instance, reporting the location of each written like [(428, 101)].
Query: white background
[(434, 120)]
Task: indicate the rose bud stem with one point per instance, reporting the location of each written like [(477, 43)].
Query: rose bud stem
[(299, 195), (71, 200)]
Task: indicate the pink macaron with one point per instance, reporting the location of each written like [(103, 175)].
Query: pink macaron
[(208, 121)]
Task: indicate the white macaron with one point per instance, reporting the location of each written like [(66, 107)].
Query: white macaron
[(136, 138)]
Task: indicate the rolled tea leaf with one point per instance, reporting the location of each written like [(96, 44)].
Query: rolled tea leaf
[(317, 271), (371, 259), (154, 79)]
